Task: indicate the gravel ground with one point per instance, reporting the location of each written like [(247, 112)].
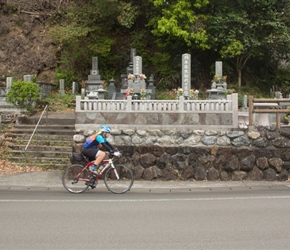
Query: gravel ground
[(8, 168)]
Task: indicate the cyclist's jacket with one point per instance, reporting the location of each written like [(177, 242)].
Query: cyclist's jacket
[(97, 139)]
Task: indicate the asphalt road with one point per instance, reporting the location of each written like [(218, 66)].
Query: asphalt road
[(206, 217)]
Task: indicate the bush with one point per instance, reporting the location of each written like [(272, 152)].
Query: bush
[(23, 93)]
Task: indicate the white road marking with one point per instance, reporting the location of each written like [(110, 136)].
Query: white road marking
[(155, 200)]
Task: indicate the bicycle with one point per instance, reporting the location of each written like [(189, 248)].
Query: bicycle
[(117, 178)]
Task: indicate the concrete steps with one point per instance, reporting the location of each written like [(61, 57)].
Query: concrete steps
[(50, 146)]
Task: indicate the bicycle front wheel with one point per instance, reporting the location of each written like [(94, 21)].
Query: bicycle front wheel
[(73, 180), (123, 183)]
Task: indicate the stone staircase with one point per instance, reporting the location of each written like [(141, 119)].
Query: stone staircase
[(50, 146)]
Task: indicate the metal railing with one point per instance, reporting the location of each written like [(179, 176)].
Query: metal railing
[(34, 131)]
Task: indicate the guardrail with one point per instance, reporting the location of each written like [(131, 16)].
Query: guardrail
[(264, 105)]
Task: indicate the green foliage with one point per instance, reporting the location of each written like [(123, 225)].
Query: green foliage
[(180, 21), (246, 35), (282, 79), (23, 93), (59, 102), (241, 30), (128, 14), (165, 95)]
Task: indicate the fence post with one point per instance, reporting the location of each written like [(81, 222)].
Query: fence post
[(235, 110), (129, 103), (181, 103), (78, 103)]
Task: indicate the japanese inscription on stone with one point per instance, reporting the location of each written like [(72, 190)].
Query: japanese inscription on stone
[(186, 74), (219, 69), (137, 65)]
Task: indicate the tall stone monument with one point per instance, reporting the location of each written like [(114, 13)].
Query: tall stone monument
[(130, 67), (94, 82), (219, 69), (137, 65), (186, 74)]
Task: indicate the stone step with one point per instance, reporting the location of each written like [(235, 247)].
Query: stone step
[(31, 153), (49, 119), (20, 140), (44, 126), (49, 131), (50, 146), (40, 136), (39, 148)]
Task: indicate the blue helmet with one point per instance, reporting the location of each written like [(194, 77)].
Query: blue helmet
[(106, 129)]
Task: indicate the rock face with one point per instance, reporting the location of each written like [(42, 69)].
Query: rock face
[(26, 45), (240, 157)]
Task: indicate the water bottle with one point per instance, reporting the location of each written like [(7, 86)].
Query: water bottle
[(100, 168)]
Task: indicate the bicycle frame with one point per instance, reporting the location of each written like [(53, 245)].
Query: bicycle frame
[(108, 163)]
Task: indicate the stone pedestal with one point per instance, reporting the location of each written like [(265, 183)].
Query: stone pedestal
[(137, 85)]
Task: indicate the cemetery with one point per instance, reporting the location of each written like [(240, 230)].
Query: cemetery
[(185, 138)]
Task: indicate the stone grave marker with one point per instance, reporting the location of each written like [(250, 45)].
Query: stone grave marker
[(186, 74)]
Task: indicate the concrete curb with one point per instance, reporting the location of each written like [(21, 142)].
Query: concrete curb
[(53, 179)]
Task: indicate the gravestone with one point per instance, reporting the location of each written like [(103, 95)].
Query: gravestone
[(137, 65), (111, 89), (27, 78), (94, 82), (3, 93), (219, 68), (75, 88), (219, 84), (130, 67), (186, 74), (9, 81), (61, 87)]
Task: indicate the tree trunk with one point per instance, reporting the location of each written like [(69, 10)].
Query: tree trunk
[(239, 78)]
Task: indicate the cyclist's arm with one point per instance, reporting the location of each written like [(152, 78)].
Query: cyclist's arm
[(105, 144), (108, 147)]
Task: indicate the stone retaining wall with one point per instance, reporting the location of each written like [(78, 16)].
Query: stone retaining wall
[(263, 154)]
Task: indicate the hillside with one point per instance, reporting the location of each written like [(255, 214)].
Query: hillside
[(26, 45)]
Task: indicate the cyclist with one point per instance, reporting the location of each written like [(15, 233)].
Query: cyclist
[(96, 145)]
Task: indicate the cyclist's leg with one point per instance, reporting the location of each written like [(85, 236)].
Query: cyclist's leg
[(100, 156), (123, 183)]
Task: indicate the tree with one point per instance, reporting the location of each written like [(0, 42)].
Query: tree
[(178, 20), (91, 28), (241, 30)]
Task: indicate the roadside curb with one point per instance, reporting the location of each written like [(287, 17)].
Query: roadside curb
[(52, 179)]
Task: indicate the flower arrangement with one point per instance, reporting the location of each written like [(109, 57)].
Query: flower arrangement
[(218, 78), (142, 76), (193, 94), (131, 77), (130, 92), (143, 94), (178, 92)]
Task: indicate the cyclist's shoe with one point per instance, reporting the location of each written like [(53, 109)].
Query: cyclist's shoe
[(93, 169), (92, 182)]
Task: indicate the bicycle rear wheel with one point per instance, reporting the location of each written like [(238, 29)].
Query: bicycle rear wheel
[(75, 184), (121, 185)]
